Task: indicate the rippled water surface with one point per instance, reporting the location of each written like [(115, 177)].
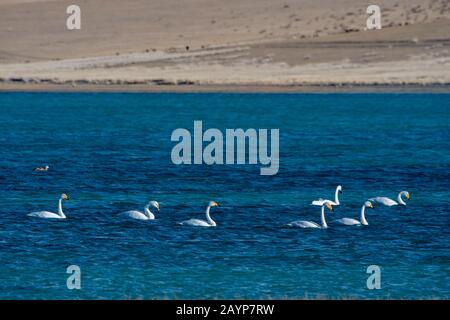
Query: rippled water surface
[(111, 153)]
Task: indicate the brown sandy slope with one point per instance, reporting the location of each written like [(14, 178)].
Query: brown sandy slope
[(233, 42)]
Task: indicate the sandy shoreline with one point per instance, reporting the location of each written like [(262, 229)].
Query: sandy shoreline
[(245, 45), (229, 88)]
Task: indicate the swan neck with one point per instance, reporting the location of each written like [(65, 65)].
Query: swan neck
[(363, 215), (60, 210), (149, 214), (336, 196), (208, 217), (322, 217), (399, 199)]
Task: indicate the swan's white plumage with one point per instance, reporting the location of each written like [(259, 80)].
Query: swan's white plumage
[(133, 214), (304, 224), (146, 215), (196, 223), (51, 215), (362, 221), (321, 202), (389, 202), (201, 223), (384, 201), (311, 224), (45, 214), (348, 221)]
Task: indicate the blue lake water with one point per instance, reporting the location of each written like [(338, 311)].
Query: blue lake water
[(111, 153)]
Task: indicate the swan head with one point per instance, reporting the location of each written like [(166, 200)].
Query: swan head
[(339, 188), (328, 206), (213, 204), (368, 204), (64, 196), (406, 194), (154, 204)]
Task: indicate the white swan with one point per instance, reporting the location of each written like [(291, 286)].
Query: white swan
[(389, 202), (146, 215), (201, 223), (363, 221), (51, 215), (310, 224), (320, 202)]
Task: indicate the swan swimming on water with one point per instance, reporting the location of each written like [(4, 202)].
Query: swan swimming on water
[(336, 202), (310, 224), (201, 223), (146, 215), (51, 215), (389, 202), (363, 221)]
